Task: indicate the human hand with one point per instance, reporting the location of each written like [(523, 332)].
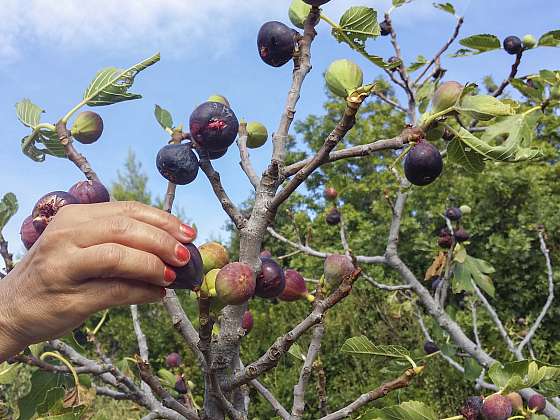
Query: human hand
[(90, 257)]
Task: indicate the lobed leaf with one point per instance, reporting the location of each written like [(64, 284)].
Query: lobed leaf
[(362, 345), (409, 410), (358, 23), (483, 107), (461, 154), (28, 113), (420, 61), (550, 39), (477, 44)]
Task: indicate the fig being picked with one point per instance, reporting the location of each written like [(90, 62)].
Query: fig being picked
[(87, 128), (343, 77), (189, 276), (47, 207), (270, 281), (214, 255), (29, 234), (89, 192), (219, 98), (213, 126), (276, 43), (257, 135), (295, 287), (247, 321), (298, 13), (235, 284), (465, 209), (177, 163), (330, 193), (496, 407), (337, 268), (333, 217), (446, 95), (423, 164)]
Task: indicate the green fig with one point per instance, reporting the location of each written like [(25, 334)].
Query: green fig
[(446, 96), (298, 12), (465, 209), (219, 98), (257, 135), (343, 77), (209, 284), (87, 128), (214, 255), (529, 41)]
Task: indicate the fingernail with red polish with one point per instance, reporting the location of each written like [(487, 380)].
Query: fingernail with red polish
[(182, 253), (169, 275), (188, 231)]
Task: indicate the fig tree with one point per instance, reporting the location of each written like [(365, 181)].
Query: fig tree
[(47, 207), (89, 192), (423, 164), (177, 163), (537, 403), (87, 128), (214, 255), (446, 95), (189, 276), (330, 193), (257, 135), (343, 77), (385, 28), (333, 217), (247, 321), (28, 233), (235, 284), (276, 43), (213, 126), (453, 213), (337, 268), (513, 45), (516, 401), (472, 407), (496, 407), (173, 360), (430, 347), (270, 281), (219, 98), (295, 287)]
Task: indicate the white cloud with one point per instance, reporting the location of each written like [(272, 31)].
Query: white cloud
[(71, 25)]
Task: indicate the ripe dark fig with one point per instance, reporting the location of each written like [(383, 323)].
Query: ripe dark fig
[(496, 407), (191, 275), (445, 241), (423, 164), (446, 95), (276, 43), (257, 134), (330, 193), (385, 28), (472, 407), (235, 284), (181, 385), (513, 45), (270, 280), (337, 268), (316, 2), (295, 287), (89, 192), (247, 321), (213, 126), (210, 154), (516, 401), (29, 234), (537, 403), (461, 235), (177, 163), (214, 255), (47, 207), (87, 128), (173, 360), (265, 254), (453, 213), (430, 347), (333, 217)]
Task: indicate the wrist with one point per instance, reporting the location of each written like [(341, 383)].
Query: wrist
[(10, 343)]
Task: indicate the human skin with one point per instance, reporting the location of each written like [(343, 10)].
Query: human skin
[(89, 258)]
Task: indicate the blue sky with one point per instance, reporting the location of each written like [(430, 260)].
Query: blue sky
[(50, 50)]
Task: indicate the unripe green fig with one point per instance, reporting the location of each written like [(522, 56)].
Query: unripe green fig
[(446, 96), (220, 99), (257, 134), (87, 128), (298, 12), (208, 286), (465, 209), (529, 41), (214, 255), (235, 284), (343, 77), (337, 268)]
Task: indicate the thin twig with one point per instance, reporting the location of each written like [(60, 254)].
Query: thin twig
[(142, 344), (388, 287), (245, 161), (6, 255), (389, 101), (279, 410), (513, 72)]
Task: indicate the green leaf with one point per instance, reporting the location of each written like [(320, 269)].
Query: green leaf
[(295, 352), (53, 147), (359, 23), (111, 85), (446, 7), (483, 107), (472, 369), (461, 154), (8, 372), (399, 3), (8, 207), (28, 113), (409, 410), (167, 378), (550, 39), (472, 270), (514, 376), (46, 389), (163, 117), (478, 44), (419, 62), (362, 345), (529, 92)]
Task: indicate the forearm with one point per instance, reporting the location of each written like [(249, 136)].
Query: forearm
[(10, 345)]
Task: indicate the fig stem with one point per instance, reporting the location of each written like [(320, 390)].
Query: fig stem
[(74, 110), (63, 360), (100, 323), (453, 418)]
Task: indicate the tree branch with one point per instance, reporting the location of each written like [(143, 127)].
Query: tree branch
[(73, 155), (389, 101), (245, 161), (6, 255), (142, 345), (388, 287), (512, 74), (279, 410)]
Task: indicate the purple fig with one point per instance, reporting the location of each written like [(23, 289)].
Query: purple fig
[(453, 213), (214, 255), (88, 127), (472, 407), (496, 407), (210, 154), (316, 2), (29, 234), (330, 193), (177, 163), (47, 207), (337, 268), (385, 28), (191, 275), (173, 360), (333, 217), (213, 126), (247, 321), (235, 284), (537, 403), (270, 281), (423, 164), (181, 385), (265, 253), (295, 287), (513, 45), (430, 347), (89, 192), (461, 235), (276, 43)]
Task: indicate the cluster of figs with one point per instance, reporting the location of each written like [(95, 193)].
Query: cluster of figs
[(501, 407)]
